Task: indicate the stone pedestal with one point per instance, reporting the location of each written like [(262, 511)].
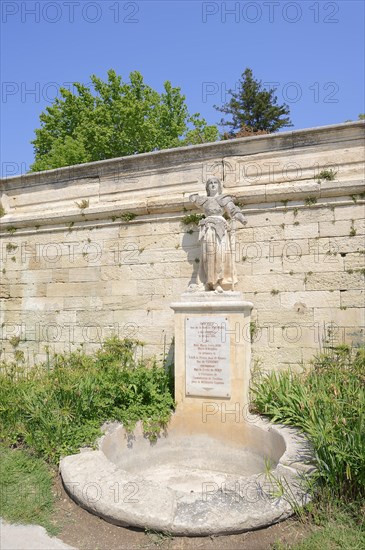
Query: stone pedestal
[(212, 360)]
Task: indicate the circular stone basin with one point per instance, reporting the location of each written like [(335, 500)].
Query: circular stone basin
[(241, 478)]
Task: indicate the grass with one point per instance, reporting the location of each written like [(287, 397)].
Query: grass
[(26, 488), (332, 526)]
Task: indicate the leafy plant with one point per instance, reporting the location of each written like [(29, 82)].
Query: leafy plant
[(254, 329), (58, 406), (128, 216), (14, 341), (192, 219), (2, 210), (83, 204), (307, 275), (309, 201), (352, 229), (327, 401), (328, 175), (10, 247)]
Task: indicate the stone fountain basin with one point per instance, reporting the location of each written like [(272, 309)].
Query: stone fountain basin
[(193, 484)]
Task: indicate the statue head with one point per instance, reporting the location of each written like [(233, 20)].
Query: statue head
[(213, 187)]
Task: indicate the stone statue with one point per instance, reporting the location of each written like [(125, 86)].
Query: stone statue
[(217, 237)]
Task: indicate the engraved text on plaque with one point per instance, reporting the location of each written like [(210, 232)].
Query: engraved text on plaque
[(207, 356)]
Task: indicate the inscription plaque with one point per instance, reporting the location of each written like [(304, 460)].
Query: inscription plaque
[(207, 357)]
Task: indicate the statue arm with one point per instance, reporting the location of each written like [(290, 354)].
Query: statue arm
[(197, 199), (232, 210)]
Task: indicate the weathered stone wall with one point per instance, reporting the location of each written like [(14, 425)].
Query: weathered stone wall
[(72, 275)]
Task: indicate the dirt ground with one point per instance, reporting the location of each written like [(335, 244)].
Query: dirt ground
[(85, 531)]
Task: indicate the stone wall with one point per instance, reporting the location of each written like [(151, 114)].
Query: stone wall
[(76, 266)]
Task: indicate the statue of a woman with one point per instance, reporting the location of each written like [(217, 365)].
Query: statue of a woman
[(216, 235)]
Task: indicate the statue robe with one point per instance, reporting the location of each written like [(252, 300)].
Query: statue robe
[(217, 241)]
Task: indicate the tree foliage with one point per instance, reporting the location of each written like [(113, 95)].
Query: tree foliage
[(253, 108), (114, 119)]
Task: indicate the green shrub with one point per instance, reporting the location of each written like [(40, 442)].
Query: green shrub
[(327, 402), (58, 407)]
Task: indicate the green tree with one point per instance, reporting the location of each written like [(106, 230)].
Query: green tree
[(115, 119), (253, 108)]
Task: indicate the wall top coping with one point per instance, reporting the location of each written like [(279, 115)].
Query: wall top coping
[(183, 155)]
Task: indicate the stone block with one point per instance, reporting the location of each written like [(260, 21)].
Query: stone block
[(15, 304), (305, 231), (263, 300), (352, 298), (272, 282), (37, 303), (305, 215), (297, 315), (310, 299), (335, 281), (268, 233), (279, 357), (118, 288), (294, 335), (354, 261), (126, 302), (81, 302), (335, 229), (338, 244), (151, 287), (86, 274), (350, 317), (77, 289), (141, 318), (314, 263), (244, 267), (60, 275), (352, 211)]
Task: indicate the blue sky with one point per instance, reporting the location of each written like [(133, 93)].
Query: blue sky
[(313, 51)]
